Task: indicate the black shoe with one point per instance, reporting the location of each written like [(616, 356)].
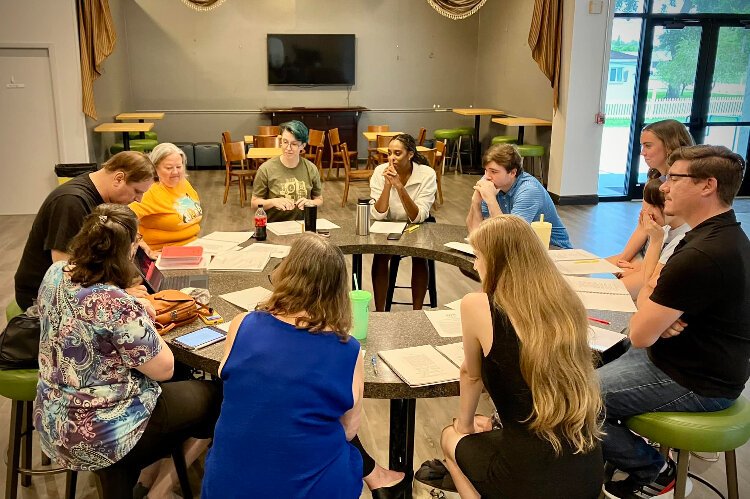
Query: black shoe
[(630, 489), (393, 491), (435, 474)]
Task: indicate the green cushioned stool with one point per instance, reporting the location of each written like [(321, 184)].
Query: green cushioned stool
[(466, 132), (504, 139), (137, 135), (19, 385), (12, 310), (450, 136), (535, 152), (141, 145), (720, 431)]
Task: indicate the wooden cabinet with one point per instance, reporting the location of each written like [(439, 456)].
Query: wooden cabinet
[(323, 118)]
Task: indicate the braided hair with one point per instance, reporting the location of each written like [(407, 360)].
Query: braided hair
[(411, 146)]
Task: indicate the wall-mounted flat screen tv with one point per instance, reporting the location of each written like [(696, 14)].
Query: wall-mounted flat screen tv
[(310, 59)]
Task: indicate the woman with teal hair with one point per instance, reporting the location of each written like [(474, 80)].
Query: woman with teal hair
[(286, 183)]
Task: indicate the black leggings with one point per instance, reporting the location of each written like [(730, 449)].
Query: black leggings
[(184, 409), (368, 463)]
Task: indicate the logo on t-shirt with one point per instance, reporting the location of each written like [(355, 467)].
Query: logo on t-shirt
[(188, 209), (294, 189)]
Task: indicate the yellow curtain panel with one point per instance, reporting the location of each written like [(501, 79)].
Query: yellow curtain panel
[(97, 37), (545, 40)]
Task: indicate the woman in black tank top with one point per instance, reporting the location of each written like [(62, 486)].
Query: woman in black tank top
[(525, 341)]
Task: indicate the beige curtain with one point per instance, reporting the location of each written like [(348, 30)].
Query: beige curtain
[(545, 40), (456, 9), (96, 34)]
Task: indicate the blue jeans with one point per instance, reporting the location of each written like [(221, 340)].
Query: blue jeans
[(633, 385)]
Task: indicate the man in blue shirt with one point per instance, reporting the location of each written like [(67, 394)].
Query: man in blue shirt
[(506, 188)]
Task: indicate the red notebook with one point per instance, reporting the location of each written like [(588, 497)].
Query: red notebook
[(183, 253)]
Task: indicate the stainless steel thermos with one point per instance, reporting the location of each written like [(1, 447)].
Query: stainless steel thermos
[(363, 216)]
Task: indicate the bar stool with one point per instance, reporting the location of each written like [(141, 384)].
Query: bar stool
[(504, 139), (147, 136), (393, 274), (141, 145), (450, 136), (534, 152), (466, 132), (720, 431)]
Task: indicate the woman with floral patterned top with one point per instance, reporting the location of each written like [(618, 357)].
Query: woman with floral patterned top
[(99, 403)]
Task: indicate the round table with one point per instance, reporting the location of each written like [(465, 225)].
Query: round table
[(386, 330)]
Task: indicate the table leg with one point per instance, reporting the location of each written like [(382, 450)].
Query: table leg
[(520, 135), (142, 134), (126, 141), (476, 161), (401, 443), (356, 270)]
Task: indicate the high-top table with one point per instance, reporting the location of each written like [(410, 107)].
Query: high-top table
[(476, 161), (124, 129), (386, 330), (141, 117), (521, 122)]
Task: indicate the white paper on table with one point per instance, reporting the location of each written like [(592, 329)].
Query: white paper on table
[(247, 298), (203, 264), (455, 305), (447, 323), (325, 224), (462, 247), (420, 366), (571, 254), (233, 237), (380, 227), (601, 339), (454, 352), (583, 267), (286, 228), (599, 301), (240, 260), (594, 285), (277, 250), (213, 246), (224, 326)]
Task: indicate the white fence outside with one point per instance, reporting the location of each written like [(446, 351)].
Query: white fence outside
[(676, 108)]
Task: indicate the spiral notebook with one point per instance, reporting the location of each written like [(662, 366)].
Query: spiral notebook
[(420, 366), (602, 294)]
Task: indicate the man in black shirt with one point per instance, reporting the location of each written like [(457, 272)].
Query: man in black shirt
[(691, 335), (122, 179)]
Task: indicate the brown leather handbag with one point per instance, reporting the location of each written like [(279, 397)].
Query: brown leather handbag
[(175, 308)]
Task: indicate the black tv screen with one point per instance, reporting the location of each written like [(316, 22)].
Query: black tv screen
[(310, 59)]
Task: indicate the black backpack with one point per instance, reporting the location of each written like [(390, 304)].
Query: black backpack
[(19, 343)]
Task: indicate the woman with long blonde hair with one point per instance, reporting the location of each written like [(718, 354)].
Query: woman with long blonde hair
[(525, 340)]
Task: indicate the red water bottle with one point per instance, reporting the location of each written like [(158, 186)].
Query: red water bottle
[(260, 224)]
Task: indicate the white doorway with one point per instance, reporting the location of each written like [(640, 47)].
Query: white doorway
[(28, 130)]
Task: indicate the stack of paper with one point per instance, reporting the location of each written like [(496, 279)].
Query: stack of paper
[(571, 254), (213, 246), (420, 366), (233, 237), (254, 261), (286, 228), (325, 224), (462, 247), (247, 298), (447, 323), (164, 264), (603, 339), (454, 352), (602, 294), (276, 250), (387, 227), (581, 262), (454, 305)]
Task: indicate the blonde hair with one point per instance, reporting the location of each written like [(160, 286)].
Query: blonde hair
[(313, 281), (550, 323)]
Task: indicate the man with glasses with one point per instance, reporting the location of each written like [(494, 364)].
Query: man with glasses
[(691, 335), (124, 178), (283, 185)]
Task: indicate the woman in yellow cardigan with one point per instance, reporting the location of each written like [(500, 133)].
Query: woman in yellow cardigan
[(170, 211)]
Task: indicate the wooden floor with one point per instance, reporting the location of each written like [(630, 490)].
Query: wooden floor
[(603, 229)]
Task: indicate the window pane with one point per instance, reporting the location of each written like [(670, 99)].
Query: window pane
[(629, 6), (729, 100), (623, 58), (733, 137), (701, 6)]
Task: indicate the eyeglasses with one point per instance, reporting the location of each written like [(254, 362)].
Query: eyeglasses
[(285, 143), (138, 237), (669, 177), (271, 273)]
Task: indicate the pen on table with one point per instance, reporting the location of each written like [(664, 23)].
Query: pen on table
[(412, 228), (591, 260), (374, 361), (600, 321)]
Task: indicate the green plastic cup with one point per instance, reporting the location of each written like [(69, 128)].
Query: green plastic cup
[(360, 312)]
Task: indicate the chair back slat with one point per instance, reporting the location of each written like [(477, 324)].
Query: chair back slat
[(269, 130)]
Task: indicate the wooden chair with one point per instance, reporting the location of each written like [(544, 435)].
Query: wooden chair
[(315, 143), (234, 152), (421, 136), (226, 137), (336, 155), (435, 158), (381, 141), (264, 140), (372, 152), (352, 175), (269, 130)]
